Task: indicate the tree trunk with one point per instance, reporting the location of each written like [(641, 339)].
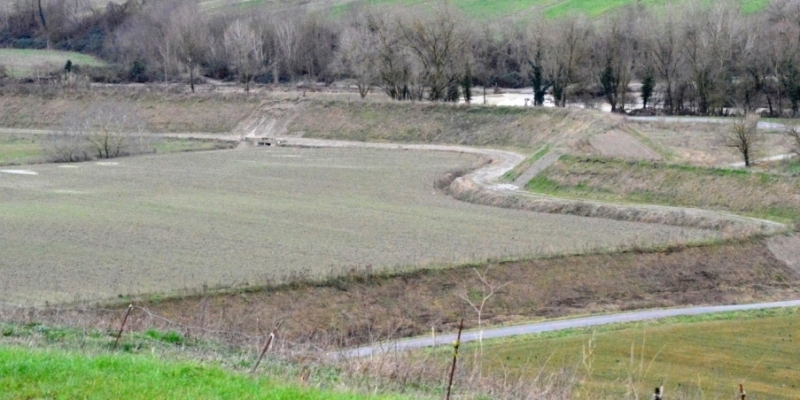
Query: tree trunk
[(41, 16), (191, 77)]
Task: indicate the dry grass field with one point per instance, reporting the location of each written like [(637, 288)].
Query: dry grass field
[(736, 190), (159, 224), (160, 110), (704, 357), (699, 143)]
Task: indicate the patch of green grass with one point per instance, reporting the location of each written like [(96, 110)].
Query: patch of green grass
[(170, 337), (26, 62), (16, 149), (523, 166), (30, 373), (173, 145), (793, 168), (742, 191), (489, 9), (712, 354)]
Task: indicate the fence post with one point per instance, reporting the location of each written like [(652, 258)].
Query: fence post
[(267, 345), (122, 327), (741, 392), (455, 358)]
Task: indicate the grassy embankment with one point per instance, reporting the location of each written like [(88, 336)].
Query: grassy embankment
[(31, 373), (356, 309), (22, 63), (741, 191), (692, 357), (524, 129), (520, 169)]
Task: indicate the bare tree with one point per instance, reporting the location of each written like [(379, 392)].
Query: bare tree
[(357, 57), (793, 132), (568, 50), (189, 37), (614, 56), (478, 301), (396, 68), (245, 49), (68, 144), (745, 138), (287, 43), (711, 44), (104, 131), (112, 131), (439, 43), (662, 37)]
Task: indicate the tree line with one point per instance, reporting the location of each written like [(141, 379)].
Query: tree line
[(687, 57)]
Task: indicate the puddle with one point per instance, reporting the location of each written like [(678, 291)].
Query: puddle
[(19, 171)]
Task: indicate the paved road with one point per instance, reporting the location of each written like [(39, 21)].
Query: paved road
[(550, 326)]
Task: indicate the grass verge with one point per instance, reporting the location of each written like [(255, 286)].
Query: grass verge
[(30, 373), (518, 170), (756, 194), (28, 63), (699, 356)]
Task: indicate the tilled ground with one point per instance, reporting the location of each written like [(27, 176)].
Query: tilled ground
[(178, 223)]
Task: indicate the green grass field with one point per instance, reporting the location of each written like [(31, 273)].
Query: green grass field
[(29, 373), (22, 63), (693, 357), (736, 190)]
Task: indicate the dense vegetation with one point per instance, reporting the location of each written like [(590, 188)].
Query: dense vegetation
[(691, 57)]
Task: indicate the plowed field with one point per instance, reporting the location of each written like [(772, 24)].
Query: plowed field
[(161, 224)]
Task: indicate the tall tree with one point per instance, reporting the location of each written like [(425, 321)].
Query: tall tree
[(245, 49), (567, 53), (189, 36), (438, 41)]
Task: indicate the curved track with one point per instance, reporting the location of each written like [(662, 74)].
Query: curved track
[(557, 325)]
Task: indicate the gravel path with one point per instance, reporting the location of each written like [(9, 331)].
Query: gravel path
[(558, 325)]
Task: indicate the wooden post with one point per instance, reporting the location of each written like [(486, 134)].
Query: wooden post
[(741, 392), (455, 358), (267, 345), (122, 327)]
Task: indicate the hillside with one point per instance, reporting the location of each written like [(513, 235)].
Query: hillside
[(479, 9)]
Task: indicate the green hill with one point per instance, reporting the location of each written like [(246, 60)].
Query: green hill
[(476, 8)]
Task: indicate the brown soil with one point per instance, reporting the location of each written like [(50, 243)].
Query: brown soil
[(358, 309)]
